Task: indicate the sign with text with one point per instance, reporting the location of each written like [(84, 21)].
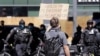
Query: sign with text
[(47, 11), (88, 1)]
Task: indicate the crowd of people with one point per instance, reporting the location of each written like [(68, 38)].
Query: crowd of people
[(33, 41), (88, 39), (24, 40), (21, 36)]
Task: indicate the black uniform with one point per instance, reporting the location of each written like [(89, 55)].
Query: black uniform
[(90, 40), (89, 37), (35, 32), (22, 38)]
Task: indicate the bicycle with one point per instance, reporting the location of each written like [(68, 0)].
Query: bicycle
[(82, 53), (4, 51), (39, 52)]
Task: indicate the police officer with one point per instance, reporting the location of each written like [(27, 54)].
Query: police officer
[(89, 36), (22, 38), (35, 32), (42, 31)]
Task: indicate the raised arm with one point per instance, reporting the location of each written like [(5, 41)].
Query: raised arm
[(10, 34)]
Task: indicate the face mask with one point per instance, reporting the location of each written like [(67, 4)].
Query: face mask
[(42, 32), (22, 26), (30, 27)]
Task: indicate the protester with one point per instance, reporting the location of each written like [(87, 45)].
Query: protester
[(55, 40)]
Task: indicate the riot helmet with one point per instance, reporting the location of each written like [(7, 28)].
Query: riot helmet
[(90, 24), (22, 24), (31, 26), (42, 27)]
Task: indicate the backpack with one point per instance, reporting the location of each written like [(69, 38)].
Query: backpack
[(52, 46)]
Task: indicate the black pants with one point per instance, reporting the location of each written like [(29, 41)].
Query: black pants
[(1, 45)]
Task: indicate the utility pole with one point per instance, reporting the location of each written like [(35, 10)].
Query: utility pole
[(74, 16)]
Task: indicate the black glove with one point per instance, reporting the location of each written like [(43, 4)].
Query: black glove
[(5, 42)]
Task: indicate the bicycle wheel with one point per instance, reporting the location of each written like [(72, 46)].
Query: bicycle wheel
[(91, 54), (87, 54), (5, 54)]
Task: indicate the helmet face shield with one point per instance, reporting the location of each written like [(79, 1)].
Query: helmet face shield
[(90, 24)]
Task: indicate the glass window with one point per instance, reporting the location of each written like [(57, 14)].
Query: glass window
[(20, 2), (34, 2), (6, 2)]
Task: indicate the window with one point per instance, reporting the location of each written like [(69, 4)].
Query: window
[(13, 11)]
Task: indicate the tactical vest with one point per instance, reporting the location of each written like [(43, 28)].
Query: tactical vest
[(90, 37), (22, 36)]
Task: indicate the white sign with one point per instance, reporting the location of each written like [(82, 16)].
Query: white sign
[(47, 11)]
